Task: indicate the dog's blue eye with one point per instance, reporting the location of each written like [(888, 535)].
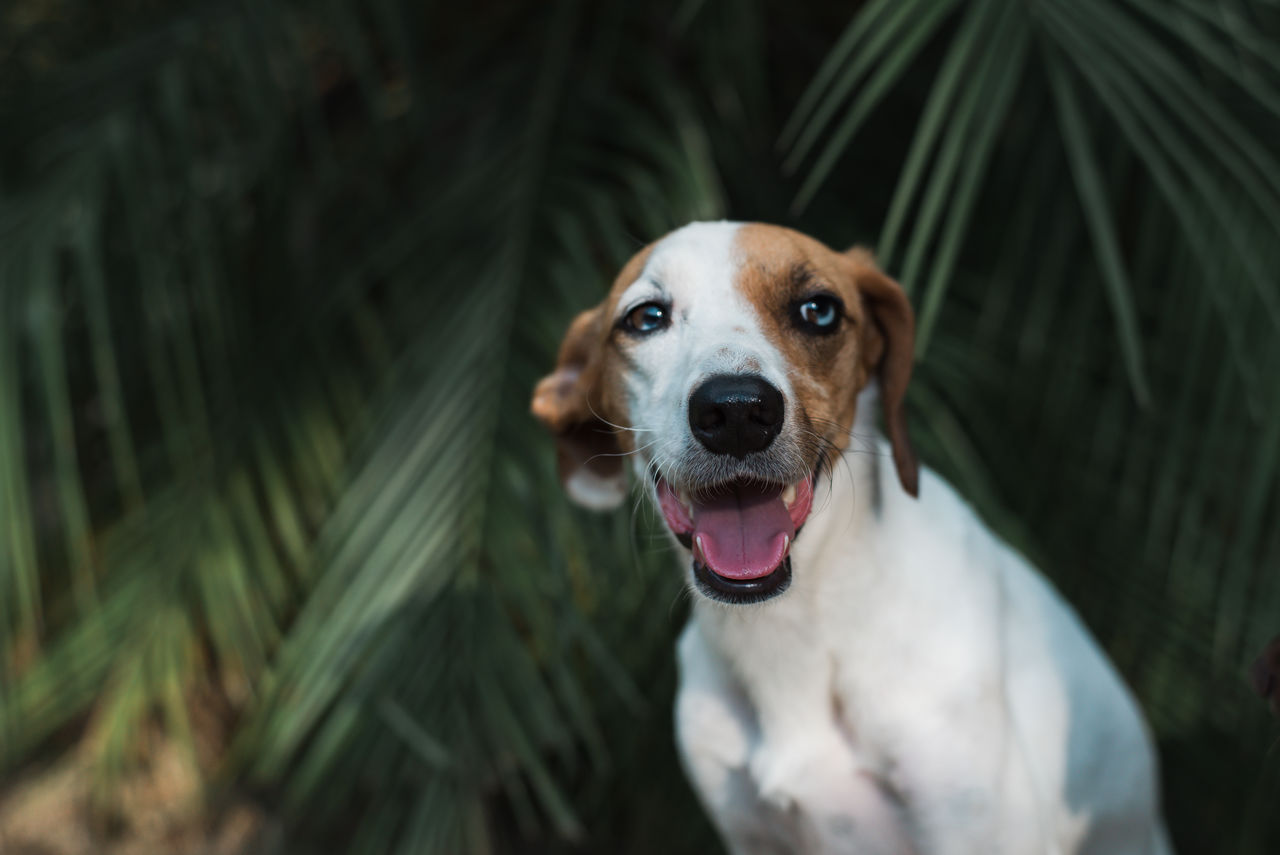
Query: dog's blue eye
[(647, 318), (820, 314)]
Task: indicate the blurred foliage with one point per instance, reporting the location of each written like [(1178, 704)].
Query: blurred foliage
[(276, 281)]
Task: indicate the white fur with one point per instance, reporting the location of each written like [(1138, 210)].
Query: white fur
[(919, 688), (597, 492)]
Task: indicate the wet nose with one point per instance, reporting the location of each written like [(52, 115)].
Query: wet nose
[(736, 413)]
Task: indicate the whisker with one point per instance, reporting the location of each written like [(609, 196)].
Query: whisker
[(684, 592), (617, 426), (622, 453)]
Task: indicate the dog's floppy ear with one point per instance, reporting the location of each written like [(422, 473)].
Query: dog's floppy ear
[(568, 402), (888, 352)]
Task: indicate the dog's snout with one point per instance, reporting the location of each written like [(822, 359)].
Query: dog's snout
[(736, 414)]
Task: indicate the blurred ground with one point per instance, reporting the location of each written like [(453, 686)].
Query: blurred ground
[(47, 812)]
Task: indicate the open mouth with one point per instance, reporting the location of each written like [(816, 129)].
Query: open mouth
[(740, 533)]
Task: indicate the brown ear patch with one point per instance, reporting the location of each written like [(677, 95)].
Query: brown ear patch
[(588, 454), (895, 322), (561, 398), (580, 403)]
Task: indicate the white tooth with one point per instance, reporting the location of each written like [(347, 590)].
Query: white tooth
[(789, 495), (786, 543), (697, 550), (683, 496)]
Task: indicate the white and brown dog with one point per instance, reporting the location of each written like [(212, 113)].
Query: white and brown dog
[(864, 671)]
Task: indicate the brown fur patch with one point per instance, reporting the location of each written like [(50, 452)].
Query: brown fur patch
[(782, 268)]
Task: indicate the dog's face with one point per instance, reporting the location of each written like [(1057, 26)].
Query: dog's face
[(725, 363)]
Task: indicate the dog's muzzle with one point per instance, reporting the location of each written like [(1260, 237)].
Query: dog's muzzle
[(741, 521)]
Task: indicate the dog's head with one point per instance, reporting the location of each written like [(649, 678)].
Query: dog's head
[(725, 363)]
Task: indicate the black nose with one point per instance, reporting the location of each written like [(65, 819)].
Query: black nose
[(736, 414)]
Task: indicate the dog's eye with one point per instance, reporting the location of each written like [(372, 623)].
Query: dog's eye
[(820, 314), (647, 318)]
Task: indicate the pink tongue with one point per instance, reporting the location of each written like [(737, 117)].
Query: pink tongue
[(742, 533)]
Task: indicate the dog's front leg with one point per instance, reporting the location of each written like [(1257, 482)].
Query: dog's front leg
[(838, 803), (805, 765), (794, 788), (716, 732)]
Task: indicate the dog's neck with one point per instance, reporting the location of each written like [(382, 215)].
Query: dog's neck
[(855, 488)]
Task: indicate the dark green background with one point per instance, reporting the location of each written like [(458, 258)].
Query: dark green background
[(276, 280)]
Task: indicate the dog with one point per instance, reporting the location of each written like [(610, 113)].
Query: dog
[(867, 668)]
